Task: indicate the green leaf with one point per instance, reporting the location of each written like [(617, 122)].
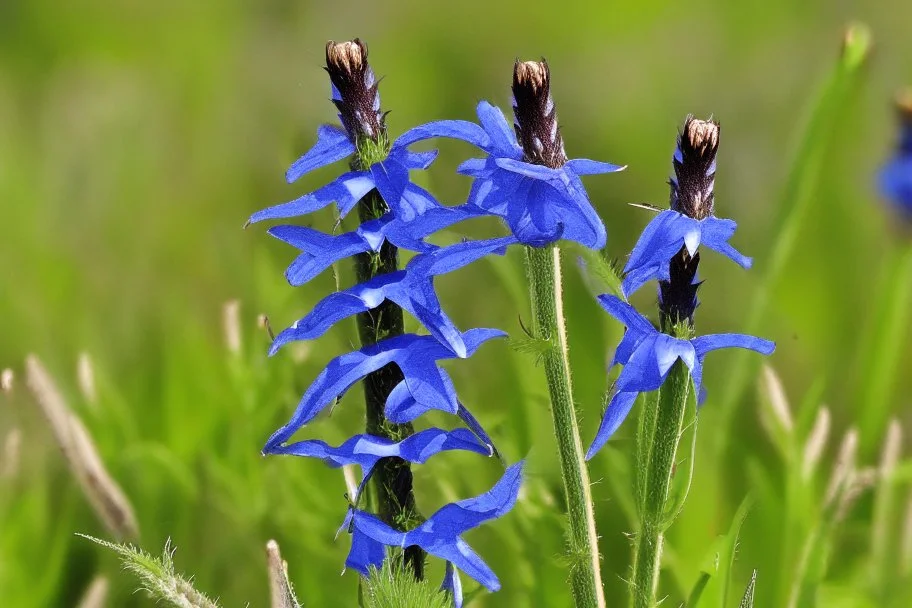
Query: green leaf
[(794, 206), (719, 563)]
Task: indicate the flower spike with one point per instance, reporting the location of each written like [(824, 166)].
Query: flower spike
[(647, 356)]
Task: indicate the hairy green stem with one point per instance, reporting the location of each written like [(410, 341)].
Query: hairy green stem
[(669, 425), (392, 477), (544, 274)]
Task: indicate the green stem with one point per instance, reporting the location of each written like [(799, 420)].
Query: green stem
[(544, 273), (669, 425), (392, 477)]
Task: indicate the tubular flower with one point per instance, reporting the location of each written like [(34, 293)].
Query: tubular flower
[(690, 221), (526, 178), (440, 535), (895, 179), (647, 356)]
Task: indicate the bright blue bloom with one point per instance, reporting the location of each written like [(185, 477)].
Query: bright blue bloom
[(452, 585), (895, 178), (663, 238), (412, 289), (416, 356), (390, 177), (647, 356), (440, 535), (538, 203), (366, 450)]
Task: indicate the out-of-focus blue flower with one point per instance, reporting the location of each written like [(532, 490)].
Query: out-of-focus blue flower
[(647, 356), (366, 450), (411, 288), (440, 535), (540, 204), (663, 238), (416, 356), (895, 178)]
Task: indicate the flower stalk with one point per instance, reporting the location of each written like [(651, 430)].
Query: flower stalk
[(544, 274), (357, 99)]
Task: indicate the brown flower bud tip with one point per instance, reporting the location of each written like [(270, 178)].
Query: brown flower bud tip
[(703, 135), (348, 56), (904, 104), (535, 117), (532, 74)]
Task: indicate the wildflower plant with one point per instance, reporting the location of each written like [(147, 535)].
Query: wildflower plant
[(668, 358), (399, 371)]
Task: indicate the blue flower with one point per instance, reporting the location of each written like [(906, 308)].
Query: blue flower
[(895, 178), (366, 450), (440, 535), (663, 238), (540, 204), (416, 356), (647, 356), (412, 289)]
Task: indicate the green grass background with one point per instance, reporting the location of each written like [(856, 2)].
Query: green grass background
[(136, 138)]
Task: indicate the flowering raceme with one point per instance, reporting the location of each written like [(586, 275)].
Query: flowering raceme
[(401, 373), (667, 250)]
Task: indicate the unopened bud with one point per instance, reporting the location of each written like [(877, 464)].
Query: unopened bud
[(535, 119), (693, 183), (355, 90)]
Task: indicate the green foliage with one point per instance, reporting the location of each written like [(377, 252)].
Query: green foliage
[(157, 576), (393, 587)]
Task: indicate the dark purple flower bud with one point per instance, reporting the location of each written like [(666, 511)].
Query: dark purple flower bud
[(695, 168), (535, 119), (355, 90), (678, 295)]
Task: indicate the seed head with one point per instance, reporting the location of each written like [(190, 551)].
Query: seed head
[(355, 90), (695, 168), (535, 119)]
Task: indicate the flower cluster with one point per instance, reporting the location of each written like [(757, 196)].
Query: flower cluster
[(525, 179), (896, 175), (667, 251)]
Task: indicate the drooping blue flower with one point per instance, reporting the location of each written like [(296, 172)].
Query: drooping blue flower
[(537, 191), (648, 355), (412, 289), (895, 178), (416, 356), (663, 238), (440, 535), (366, 450)]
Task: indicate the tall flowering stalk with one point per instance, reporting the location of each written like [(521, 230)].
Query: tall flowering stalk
[(527, 180), (668, 359), (400, 372)]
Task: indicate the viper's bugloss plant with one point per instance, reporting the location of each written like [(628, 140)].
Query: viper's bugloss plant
[(895, 178), (400, 371), (669, 359)]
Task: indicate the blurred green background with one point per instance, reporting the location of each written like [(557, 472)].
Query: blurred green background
[(136, 138)]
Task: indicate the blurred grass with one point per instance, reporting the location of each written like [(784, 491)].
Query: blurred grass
[(135, 139)]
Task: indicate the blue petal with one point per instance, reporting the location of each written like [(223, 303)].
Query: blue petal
[(366, 553), (716, 233), (453, 129), (415, 201), (584, 166), (346, 190), (472, 423), (320, 250), (419, 160), (525, 169), (332, 145), (366, 450), (617, 411), (895, 183), (503, 137), (409, 235), (454, 257), (660, 241), (416, 356), (391, 179), (452, 585), (581, 223), (626, 314), (711, 342)]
